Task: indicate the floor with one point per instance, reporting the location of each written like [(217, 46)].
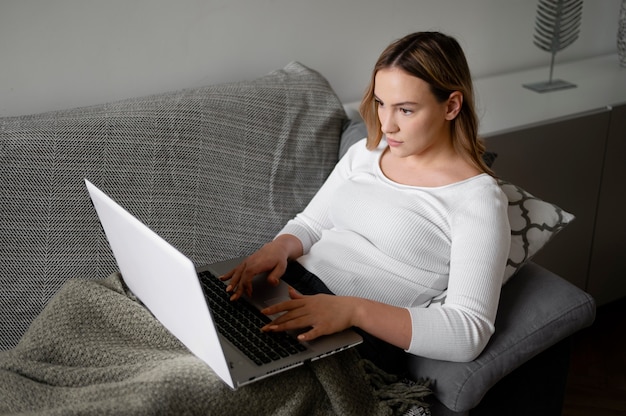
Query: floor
[(597, 376)]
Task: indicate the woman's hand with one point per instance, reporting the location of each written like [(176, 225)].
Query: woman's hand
[(326, 314), (323, 314), (271, 258)]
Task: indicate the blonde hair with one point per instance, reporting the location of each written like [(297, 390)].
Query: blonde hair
[(437, 59)]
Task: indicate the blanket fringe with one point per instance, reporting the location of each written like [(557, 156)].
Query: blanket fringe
[(403, 396)]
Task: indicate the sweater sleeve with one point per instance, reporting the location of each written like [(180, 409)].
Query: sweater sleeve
[(460, 329), (309, 224)]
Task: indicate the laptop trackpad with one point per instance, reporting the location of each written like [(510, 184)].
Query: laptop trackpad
[(265, 294)]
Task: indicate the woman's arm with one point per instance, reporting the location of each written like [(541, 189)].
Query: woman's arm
[(327, 314), (296, 238), (460, 329), (456, 331), (309, 224)]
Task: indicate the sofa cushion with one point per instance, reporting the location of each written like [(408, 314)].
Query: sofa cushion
[(537, 310), (216, 171)]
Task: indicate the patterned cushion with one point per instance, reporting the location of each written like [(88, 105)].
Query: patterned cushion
[(533, 224), (215, 170)]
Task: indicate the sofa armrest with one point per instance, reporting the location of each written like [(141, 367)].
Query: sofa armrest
[(537, 310)]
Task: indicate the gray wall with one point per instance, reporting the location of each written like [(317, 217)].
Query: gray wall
[(66, 53)]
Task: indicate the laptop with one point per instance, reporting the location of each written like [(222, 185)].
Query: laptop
[(179, 294)]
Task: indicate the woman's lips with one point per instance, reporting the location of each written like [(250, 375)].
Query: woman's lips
[(393, 143)]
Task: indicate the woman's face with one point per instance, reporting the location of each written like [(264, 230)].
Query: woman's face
[(412, 120)]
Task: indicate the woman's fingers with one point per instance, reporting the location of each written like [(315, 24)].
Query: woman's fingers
[(294, 319), (317, 314), (240, 278), (237, 282), (276, 274), (272, 259)]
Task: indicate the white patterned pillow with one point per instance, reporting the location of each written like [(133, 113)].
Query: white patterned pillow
[(534, 223)]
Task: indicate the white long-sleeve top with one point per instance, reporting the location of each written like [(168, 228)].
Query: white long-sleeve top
[(367, 236)]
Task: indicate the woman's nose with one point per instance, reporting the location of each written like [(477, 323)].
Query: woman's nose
[(387, 122)]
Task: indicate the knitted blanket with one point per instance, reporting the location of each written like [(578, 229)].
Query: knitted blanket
[(96, 350)]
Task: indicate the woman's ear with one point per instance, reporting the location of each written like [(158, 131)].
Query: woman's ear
[(455, 102)]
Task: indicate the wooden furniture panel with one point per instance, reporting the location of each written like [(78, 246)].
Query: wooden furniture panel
[(560, 162), (568, 147), (607, 273)]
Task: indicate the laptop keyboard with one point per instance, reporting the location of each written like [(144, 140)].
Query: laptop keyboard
[(240, 322)]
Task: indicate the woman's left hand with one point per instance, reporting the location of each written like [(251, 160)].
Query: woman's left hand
[(323, 314)]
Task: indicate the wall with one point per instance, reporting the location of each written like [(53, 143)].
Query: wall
[(67, 53)]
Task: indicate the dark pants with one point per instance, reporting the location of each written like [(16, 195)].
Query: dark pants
[(386, 356)]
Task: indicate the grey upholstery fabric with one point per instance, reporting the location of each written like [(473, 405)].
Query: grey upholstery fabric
[(537, 310), (215, 170)]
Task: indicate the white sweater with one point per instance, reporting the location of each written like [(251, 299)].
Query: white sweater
[(367, 236)]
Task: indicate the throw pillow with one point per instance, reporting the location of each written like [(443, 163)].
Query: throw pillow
[(534, 223)]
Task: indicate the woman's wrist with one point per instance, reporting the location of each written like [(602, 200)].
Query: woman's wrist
[(290, 245), (359, 311)]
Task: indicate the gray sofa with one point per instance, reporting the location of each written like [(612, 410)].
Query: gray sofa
[(217, 171)]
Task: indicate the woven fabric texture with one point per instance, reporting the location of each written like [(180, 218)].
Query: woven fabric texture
[(216, 171), (94, 351)]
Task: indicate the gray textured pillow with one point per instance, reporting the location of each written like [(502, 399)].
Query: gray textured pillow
[(353, 131), (537, 310), (215, 170)]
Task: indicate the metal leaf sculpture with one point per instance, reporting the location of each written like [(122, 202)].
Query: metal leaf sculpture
[(557, 27)]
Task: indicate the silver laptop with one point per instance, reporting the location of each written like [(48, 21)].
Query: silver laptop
[(175, 292)]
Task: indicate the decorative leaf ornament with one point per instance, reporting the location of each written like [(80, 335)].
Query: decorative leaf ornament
[(557, 27)]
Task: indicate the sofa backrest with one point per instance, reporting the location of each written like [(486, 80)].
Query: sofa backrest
[(216, 171)]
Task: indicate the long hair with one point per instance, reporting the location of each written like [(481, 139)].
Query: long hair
[(437, 59)]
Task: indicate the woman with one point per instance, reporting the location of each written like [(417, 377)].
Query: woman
[(408, 213)]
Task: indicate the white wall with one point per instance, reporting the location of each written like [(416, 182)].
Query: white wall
[(64, 53)]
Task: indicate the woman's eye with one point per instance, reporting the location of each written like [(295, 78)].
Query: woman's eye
[(406, 111)]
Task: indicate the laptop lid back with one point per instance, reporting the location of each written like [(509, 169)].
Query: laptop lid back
[(163, 279)]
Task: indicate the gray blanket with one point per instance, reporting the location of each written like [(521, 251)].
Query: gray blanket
[(95, 350)]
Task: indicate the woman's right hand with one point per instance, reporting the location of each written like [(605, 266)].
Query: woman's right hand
[(272, 259)]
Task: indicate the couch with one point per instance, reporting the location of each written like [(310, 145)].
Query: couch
[(217, 171)]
